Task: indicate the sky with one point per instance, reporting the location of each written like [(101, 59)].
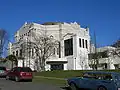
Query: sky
[(101, 16)]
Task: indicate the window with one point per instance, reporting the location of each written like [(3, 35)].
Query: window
[(57, 51), (83, 42), (68, 46), (13, 53), (54, 51), (17, 53), (80, 42), (57, 67), (86, 43), (20, 52), (32, 51), (25, 69)]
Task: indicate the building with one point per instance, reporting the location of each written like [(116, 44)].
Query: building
[(74, 44), (107, 59)]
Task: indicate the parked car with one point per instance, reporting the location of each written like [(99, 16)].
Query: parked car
[(3, 71), (20, 73), (96, 80)]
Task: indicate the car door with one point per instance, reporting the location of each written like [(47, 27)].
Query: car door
[(91, 83), (13, 73), (88, 81), (10, 74)]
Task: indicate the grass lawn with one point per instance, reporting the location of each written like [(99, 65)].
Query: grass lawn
[(49, 81), (58, 77)]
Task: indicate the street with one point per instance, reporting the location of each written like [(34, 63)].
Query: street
[(12, 85)]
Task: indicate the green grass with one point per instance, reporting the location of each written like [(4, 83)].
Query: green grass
[(60, 74), (50, 76), (49, 81)]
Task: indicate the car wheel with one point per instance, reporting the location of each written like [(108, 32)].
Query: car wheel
[(101, 88), (73, 86), (17, 79), (7, 77), (30, 80)]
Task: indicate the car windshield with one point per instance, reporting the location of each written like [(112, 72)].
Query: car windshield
[(25, 69), (2, 68)]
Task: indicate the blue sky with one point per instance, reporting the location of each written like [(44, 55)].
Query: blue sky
[(102, 16)]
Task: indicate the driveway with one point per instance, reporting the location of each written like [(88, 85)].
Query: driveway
[(12, 85)]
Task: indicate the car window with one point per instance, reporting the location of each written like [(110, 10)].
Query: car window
[(104, 76), (99, 76), (107, 77), (12, 70), (15, 69), (117, 77), (25, 69), (88, 75), (2, 68)]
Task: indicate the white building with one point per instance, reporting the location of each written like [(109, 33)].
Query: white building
[(74, 41), (108, 60)]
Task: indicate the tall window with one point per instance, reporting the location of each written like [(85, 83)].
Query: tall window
[(86, 44), (80, 42), (54, 51), (13, 53), (68, 46), (32, 51), (83, 43), (20, 52), (17, 53), (57, 51)]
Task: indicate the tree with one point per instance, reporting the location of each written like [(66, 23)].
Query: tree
[(13, 59), (43, 46), (117, 46), (3, 60)]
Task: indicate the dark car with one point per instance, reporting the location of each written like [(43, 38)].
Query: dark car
[(20, 73), (3, 71), (100, 80)]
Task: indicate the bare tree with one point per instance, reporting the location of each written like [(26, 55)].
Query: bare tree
[(116, 51), (44, 47)]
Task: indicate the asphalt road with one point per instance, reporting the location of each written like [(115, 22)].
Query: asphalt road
[(12, 85)]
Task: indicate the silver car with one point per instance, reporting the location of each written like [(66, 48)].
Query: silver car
[(3, 71)]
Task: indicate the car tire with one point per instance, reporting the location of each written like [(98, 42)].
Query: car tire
[(7, 77), (17, 79), (73, 86), (30, 80), (101, 88)]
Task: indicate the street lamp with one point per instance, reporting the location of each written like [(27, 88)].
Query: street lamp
[(75, 63)]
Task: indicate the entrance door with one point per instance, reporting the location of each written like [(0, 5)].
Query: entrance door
[(57, 67)]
